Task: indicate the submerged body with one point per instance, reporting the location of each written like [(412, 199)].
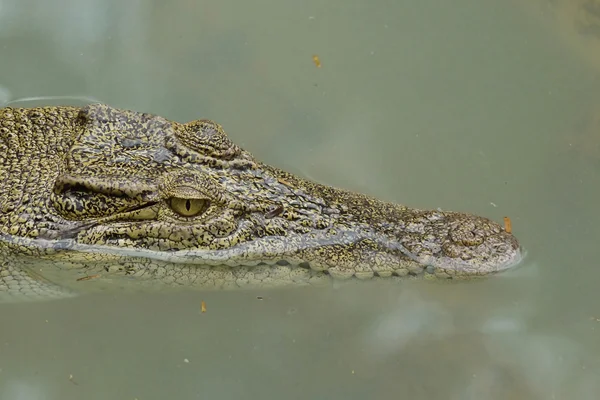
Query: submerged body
[(129, 198)]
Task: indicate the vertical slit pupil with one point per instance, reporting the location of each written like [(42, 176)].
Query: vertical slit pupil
[(188, 204)]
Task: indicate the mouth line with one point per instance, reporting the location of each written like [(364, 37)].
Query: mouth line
[(416, 266)]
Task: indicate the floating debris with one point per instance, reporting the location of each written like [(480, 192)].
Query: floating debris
[(507, 225), (88, 277), (317, 61)]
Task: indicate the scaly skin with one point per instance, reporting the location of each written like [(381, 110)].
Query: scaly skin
[(132, 198)]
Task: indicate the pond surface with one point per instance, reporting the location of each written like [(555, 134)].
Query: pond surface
[(486, 107)]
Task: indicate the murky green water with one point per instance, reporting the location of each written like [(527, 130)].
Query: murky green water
[(474, 106)]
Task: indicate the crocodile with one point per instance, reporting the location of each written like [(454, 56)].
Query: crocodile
[(129, 199)]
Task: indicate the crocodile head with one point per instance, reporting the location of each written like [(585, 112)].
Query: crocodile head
[(148, 197)]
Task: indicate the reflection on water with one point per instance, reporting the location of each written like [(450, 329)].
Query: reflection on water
[(421, 342), (462, 105)]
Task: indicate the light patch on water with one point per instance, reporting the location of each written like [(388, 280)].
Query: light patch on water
[(498, 325), (393, 330), (550, 365), (4, 96), (23, 390)]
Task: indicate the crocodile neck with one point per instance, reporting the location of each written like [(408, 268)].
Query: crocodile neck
[(32, 153)]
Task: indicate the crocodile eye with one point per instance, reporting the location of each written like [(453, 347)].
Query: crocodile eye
[(188, 207)]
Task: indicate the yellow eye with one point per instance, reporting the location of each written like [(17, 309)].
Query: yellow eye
[(188, 207)]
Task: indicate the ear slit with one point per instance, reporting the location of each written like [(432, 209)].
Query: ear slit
[(138, 189)]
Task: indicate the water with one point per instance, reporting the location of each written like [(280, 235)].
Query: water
[(489, 107)]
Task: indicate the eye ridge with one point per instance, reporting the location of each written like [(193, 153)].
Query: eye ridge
[(188, 207)]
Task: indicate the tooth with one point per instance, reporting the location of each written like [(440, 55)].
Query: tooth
[(364, 274), (318, 267), (340, 273), (416, 268)]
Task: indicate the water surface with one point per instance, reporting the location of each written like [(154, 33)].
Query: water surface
[(487, 107)]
